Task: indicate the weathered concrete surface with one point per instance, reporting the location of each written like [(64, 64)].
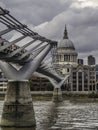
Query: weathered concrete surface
[(57, 95), (18, 106)]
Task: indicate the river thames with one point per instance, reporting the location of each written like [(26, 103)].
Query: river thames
[(63, 116)]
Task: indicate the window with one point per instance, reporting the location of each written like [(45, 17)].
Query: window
[(80, 75), (67, 69), (85, 87), (80, 87), (74, 75), (74, 87)]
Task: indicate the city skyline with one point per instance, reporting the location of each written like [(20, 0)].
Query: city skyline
[(48, 18)]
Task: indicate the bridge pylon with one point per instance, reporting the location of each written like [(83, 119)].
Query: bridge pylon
[(18, 106), (57, 95)]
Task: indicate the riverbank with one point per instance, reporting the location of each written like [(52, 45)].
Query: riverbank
[(74, 97)]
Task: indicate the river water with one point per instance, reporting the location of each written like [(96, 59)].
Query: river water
[(63, 116)]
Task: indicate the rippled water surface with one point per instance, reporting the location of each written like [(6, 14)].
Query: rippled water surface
[(63, 116)]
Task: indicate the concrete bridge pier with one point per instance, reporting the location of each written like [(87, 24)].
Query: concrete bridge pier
[(18, 106), (57, 95)]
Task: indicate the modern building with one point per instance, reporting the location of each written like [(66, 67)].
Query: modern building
[(40, 84), (96, 76), (80, 62), (91, 60)]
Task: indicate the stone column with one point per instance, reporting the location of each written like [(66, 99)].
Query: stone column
[(18, 106), (77, 87), (83, 81), (88, 80), (57, 95), (71, 82)]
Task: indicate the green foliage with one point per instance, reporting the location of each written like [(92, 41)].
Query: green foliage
[(31, 85), (93, 95), (50, 87)]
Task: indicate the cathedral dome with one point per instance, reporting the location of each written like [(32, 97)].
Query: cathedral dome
[(66, 43)]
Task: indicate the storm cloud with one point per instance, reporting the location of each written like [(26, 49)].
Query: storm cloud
[(48, 18)]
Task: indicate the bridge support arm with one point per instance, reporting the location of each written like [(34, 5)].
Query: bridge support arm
[(48, 73), (28, 69), (9, 71), (57, 93)]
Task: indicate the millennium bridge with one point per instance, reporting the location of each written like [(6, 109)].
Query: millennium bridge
[(19, 62)]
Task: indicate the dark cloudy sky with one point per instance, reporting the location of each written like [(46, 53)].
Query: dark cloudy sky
[(48, 18)]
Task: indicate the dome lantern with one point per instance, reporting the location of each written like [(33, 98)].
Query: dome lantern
[(66, 43), (65, 33)]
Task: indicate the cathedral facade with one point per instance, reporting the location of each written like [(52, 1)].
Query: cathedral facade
[(65, 61)]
